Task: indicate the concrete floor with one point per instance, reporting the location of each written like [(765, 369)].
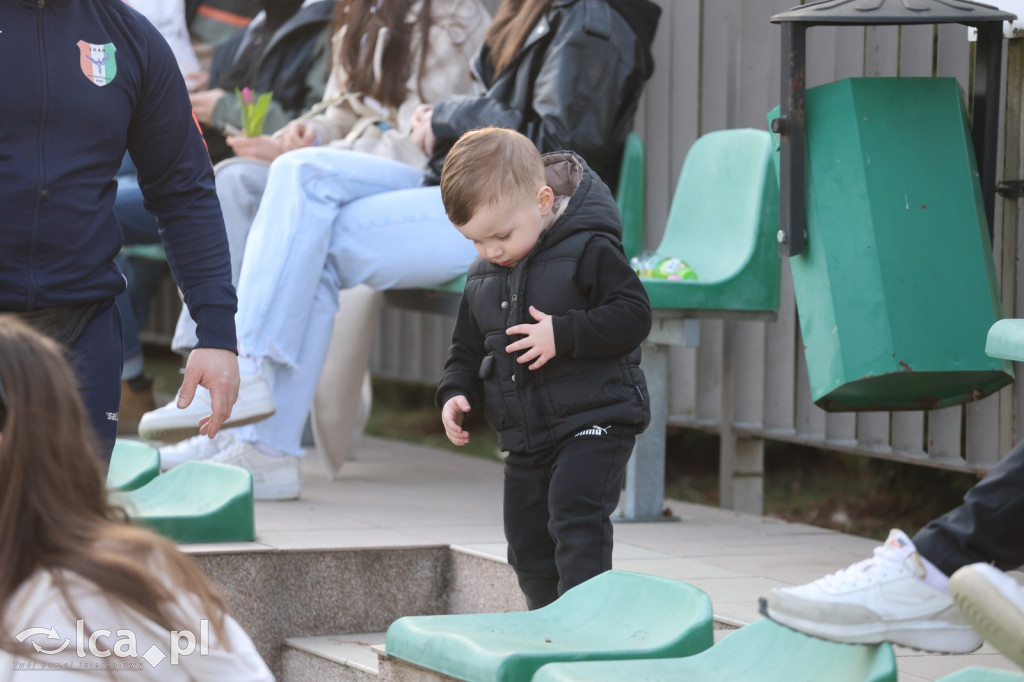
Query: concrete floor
[(393, 494)]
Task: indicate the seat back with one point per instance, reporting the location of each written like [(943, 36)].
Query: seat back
[(615, 615), (197, 502), (977, 674), (726, 198), (763, 651), (132, 465), (630, 194)]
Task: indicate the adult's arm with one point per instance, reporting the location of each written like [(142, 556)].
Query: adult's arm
[(582, 81), (176, 179)]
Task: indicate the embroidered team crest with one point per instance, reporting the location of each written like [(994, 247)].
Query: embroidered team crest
[(98, 62)]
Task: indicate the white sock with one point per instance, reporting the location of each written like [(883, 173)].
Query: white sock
[(268, 449), (249, 364), (933, 577)]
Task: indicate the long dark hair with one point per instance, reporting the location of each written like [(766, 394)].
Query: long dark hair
[(54, 512), (507, 32), (363, 20)]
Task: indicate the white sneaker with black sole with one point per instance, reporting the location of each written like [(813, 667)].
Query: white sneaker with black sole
[(993, 603), (273, 478), (171, 424), (194, 449), (881, 599)]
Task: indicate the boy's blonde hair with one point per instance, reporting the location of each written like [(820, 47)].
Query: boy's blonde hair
[(486, 166)]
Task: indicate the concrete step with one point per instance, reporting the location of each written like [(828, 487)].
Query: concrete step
[(349, 658)]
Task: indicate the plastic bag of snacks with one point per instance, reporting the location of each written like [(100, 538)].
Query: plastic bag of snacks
[(657, 266)]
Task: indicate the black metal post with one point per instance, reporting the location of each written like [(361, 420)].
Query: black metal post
[(988, 67), (790, 126)]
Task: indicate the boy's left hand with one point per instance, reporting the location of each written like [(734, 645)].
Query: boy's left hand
[(539, 341)]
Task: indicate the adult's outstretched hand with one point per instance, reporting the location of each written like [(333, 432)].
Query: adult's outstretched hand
[(216, 370)]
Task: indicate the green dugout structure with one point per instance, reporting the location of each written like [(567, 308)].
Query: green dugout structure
[(896, 289)]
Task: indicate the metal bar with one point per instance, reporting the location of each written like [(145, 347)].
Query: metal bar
[(790, 127), (644, 496), (741, 459), (988, 63)]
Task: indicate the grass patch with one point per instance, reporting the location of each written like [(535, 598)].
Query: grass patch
[(854, 494)]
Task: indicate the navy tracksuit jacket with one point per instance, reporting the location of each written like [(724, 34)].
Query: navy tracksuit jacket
[(82, 82)]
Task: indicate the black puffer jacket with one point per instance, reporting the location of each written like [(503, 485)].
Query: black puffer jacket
[(600, 312), (574, 85)]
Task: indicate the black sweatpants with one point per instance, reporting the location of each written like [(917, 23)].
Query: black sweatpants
[(558, 507), (96, 359), (987, 527)]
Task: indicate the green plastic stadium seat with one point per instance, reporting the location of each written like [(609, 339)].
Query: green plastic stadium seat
[(616, 615), (975, 674), (724, 222), (763, 651), (196, 502), (1006, 340), (132, 464), (630, 194)]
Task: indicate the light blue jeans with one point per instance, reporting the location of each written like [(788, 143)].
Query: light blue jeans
[(331, 219), (240, 186)]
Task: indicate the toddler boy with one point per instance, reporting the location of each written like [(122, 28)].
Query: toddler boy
[(547, 340)]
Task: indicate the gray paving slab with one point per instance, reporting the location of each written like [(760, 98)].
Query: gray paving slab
[(395, 494)]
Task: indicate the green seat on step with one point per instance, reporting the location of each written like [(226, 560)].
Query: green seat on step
[(196, 502), (132, 464), (1006, 340), (975, 674), (616, 615), (763, 651)]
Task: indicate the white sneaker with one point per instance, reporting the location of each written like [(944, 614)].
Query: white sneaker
[(273, 478), (170, 424), (881, 599), (993, 603), (196, 448)]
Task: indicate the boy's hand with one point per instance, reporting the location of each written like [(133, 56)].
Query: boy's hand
[(539, 342), (451, 416)]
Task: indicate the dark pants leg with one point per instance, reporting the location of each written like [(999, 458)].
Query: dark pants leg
[(531, 549), (988, 526), (558, 508), (96, 360)]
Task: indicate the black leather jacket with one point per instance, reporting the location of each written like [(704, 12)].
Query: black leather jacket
[(294, 66), (574, 85)]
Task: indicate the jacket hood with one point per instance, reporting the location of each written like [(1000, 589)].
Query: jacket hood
[(589, 204), (642, 16)]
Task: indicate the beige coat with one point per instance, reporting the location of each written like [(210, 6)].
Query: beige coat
[(349, 120)]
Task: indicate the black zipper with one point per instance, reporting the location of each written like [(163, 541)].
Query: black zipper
[(508, 285)]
